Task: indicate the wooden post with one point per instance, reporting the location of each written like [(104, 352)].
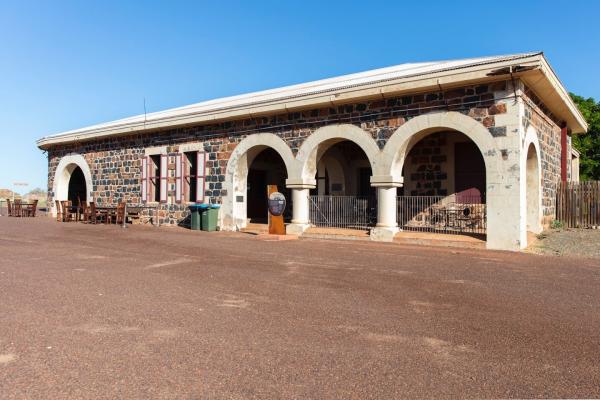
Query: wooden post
[(564, 156), (276, 225), (124, 222)]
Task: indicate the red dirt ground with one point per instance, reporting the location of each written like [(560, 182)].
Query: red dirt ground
[(103, 312)]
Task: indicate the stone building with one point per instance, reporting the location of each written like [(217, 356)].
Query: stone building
[(491, 132)]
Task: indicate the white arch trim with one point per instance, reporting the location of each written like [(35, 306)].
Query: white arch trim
[(262, 140), (311, 150), (503, 224), (531, 208), (233, 211), (62, 175), (398, 146)]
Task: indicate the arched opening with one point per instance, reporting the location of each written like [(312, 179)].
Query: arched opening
[(444, 185), (72, 179), (343, 169), (266, 168), (234, 209), (343, 196), (77, 191), (502, 227), (532, 192)]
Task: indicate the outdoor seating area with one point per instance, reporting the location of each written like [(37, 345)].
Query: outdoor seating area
[(89, 212), (19, 208), (442, 214)]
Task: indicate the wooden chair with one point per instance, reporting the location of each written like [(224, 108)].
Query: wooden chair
[(111, 215), (17, 208), (31, 209), (85, 212), (68, 214), (59, 215), (64, 205), (95, 215), (120, 214), (10, 208), (92, 213)]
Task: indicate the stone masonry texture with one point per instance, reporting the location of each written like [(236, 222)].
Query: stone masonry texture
[(115, 163), (549, 131)]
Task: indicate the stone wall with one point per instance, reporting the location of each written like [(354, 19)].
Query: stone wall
[(115, 163), (430, 168), (427, 168), (548, 129)]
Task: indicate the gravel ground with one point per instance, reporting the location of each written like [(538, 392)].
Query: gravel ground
[(568, 242), (101, 312)]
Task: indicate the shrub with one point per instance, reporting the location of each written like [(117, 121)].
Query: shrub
[(556, 224)]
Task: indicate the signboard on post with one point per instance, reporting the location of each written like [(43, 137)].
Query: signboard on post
[(276, 208)]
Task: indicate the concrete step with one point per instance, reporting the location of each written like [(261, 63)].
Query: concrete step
[(437, 239), (404, 237), (336, 233), (255, 229)]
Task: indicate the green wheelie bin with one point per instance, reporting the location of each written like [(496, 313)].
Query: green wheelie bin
[(196, 216), (209, 218)]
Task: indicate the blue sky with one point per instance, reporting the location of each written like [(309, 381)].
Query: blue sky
[(65, 65)]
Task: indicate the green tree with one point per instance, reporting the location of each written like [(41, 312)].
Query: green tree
[(588, 143)]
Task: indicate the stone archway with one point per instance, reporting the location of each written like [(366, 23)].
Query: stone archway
[(401, 141), (62, 177), (503, 229), (353, 143), (323, 138), (532, 181), (234, 207)]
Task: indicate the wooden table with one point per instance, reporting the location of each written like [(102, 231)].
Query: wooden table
[(19, 208), (106, 211), (131, 211)]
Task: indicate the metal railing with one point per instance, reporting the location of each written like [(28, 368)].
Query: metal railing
[(349, 212), (458, 214)]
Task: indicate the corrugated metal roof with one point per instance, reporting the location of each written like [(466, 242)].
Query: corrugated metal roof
[(329, 85)]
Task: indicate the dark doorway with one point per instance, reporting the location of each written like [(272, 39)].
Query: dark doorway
[(344, 170), (364, 183), (344, 197), (469, 170), (77, 188), (267, 168)]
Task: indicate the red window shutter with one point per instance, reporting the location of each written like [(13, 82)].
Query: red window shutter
[(151, 178), (145, 179), (163, 178), (178, 179), (185, 181), (200, 176)]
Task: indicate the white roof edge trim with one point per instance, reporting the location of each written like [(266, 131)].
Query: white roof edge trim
[(564, 94), (311, 91)]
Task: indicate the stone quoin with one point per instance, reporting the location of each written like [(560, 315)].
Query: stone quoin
[(490, 126)]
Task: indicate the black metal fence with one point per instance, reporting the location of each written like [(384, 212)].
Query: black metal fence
[(350, 212), (458, 214)]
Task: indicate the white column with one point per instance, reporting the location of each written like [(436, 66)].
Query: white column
[(387, 225), (300, 205), (386, 207)]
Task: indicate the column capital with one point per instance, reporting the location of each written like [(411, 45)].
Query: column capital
[(300, 183), (386, 181)]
